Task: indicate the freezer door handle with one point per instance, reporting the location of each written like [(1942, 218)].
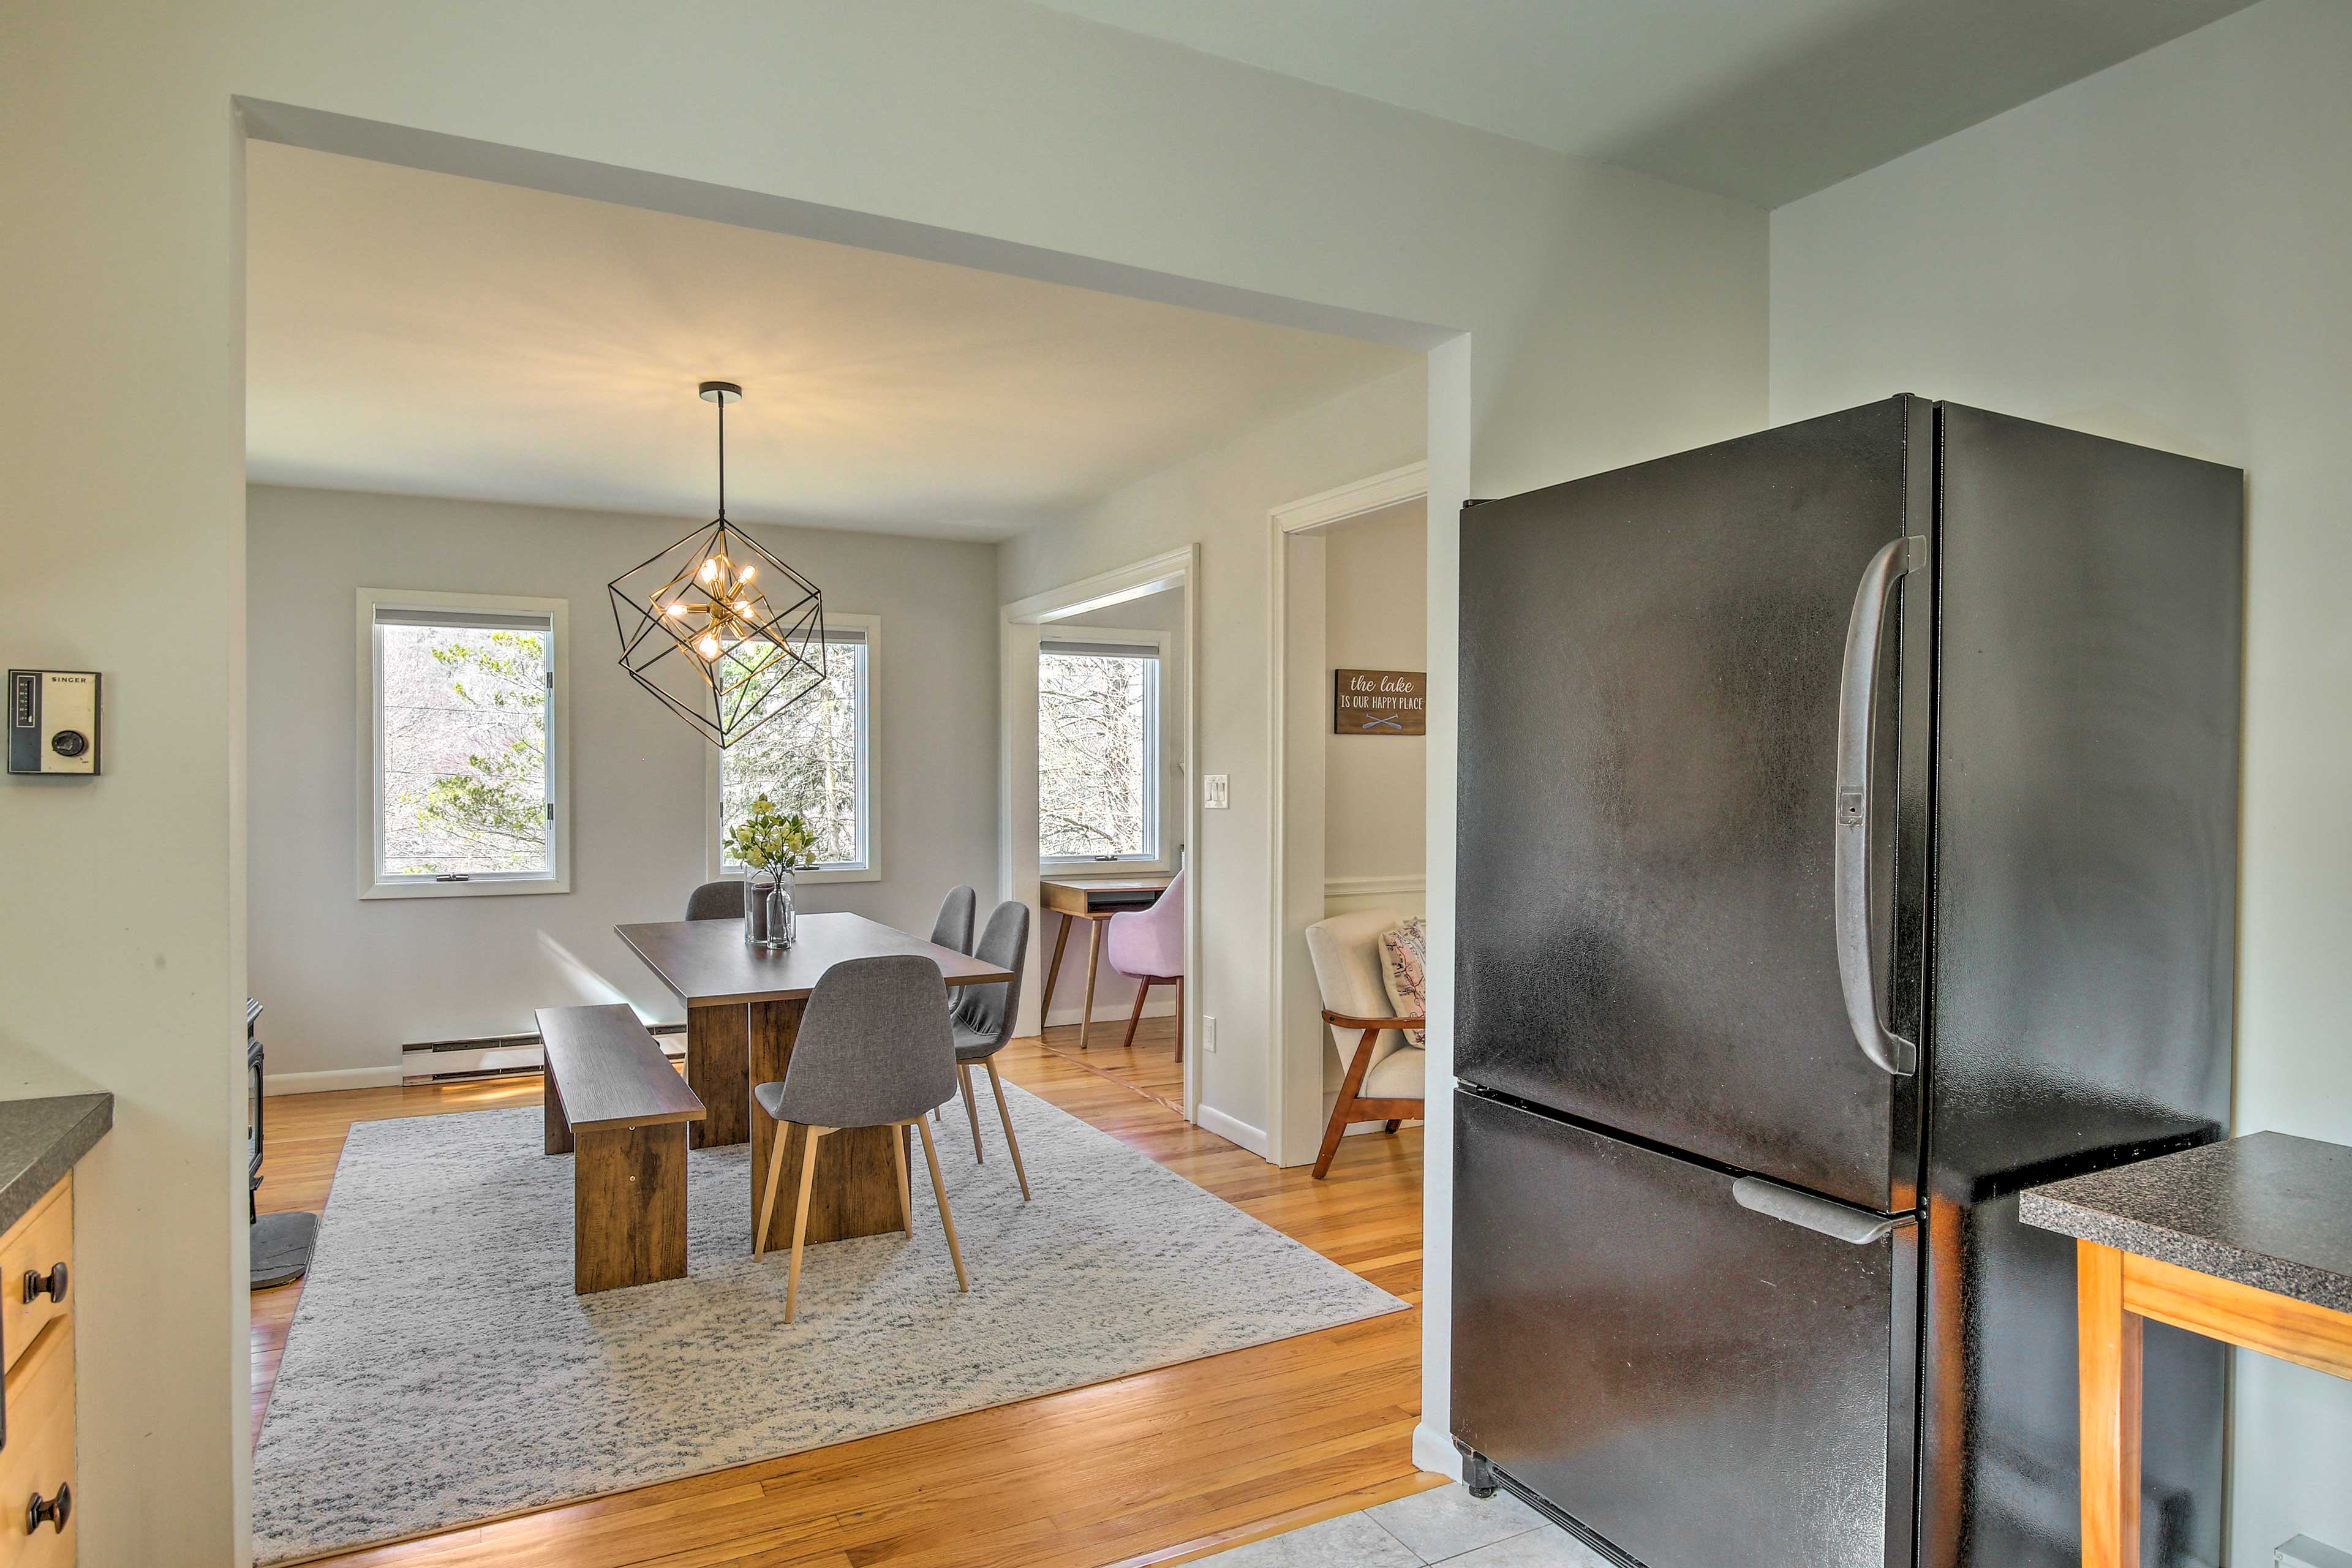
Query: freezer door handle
[(1856, 1226), (1857, 701)]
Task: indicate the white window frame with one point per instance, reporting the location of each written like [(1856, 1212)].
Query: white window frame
[(1155, 748), (867, 867), (373, 883)]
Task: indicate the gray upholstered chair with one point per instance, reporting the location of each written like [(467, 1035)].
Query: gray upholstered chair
[(983, 1021), (874, 1051), (957, 912), (721, 900)]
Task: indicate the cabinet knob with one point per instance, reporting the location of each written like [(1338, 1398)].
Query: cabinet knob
[(52, 1284), (54, 1510)]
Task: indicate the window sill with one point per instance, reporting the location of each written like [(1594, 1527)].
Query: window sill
[(818, 878), (1091, 866), (485, 888)]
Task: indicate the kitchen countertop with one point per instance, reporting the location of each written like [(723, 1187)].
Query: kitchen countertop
[(2266, 1210), (39, 1142)]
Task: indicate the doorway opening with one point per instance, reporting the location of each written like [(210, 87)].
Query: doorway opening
[(1098, 699), (1349, 658)]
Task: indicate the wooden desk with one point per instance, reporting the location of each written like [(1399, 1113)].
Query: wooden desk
[(1093, 901), (2249, 1242), (744, 1007)]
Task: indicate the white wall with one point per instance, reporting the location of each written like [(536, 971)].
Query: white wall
[(1375, 787), (2158, 254), (1608, 317), (1374, 581), (1114, 993), (1222, 499), (348, 982)]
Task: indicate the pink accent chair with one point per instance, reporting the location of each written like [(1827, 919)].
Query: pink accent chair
[(1148, 945)]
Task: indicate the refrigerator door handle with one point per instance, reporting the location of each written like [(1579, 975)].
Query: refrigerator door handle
[(1855, 1227), (1857, 701)]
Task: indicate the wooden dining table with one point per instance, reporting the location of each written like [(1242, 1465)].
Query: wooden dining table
[(744, 1007)]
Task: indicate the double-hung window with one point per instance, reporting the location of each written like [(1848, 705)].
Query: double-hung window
[(462, 745), (1098, 748), (815, 756)]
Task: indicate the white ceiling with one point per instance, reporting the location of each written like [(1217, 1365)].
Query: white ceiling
[(425, 334), (1763, 100)]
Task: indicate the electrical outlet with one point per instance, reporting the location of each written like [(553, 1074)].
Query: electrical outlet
[(1213, 797), (1208, 1033)]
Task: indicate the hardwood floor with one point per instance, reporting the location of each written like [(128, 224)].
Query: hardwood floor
[(1149, 1066), (1146, 1470)]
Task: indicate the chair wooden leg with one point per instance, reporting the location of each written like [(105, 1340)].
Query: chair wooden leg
[(1142, 990), (971, 1109), (768, 1198), (800, 1215), (906, 1193), (947, 1220), (1010, 1142), (1180, 1020), (1341, 1113), (1394, 1124)]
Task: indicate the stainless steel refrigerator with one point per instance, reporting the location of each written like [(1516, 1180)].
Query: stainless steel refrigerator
[(1847, 841)]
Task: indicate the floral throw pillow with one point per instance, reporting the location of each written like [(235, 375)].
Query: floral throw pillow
[(1403, 953)]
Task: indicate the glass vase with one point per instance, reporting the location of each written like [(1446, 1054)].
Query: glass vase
[(783, 911), (757, 888)]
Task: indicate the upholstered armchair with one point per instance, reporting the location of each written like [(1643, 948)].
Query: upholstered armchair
[(1386, 1080), (1149, 946)]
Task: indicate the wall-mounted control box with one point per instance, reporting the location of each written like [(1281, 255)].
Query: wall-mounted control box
[(53, 722)]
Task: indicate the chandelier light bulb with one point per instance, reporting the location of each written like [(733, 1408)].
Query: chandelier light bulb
[(708, 646), (747, 573), (711, 570)]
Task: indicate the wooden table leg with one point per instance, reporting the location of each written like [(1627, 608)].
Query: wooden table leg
[(628, 1206), (1094, 963), (1053, 970), (2108, 1340), (857, 1191), (718, 1047)]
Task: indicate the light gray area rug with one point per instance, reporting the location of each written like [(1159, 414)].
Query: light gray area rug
[(440, 1371)]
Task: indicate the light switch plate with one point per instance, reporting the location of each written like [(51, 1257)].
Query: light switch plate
[(2302, 1551), (1213, 797), (53, 722)]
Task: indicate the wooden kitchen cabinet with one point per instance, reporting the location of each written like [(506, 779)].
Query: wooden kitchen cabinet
[(36, 1461)]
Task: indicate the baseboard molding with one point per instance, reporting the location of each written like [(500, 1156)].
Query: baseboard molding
[(1232, 1129), (1433, 1450), (1162, 1006), (1375, 887), (277, 1083)]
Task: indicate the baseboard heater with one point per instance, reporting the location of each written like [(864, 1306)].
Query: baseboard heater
[(496, 1055)]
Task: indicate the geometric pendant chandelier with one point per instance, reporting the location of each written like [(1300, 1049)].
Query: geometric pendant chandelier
[(723, 632)]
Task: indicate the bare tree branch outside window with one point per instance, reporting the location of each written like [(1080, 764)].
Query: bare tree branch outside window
[(1092, 751), (464, 750), (806, 759)]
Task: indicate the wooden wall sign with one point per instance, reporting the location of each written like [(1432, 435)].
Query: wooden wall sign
[(1379, 703)]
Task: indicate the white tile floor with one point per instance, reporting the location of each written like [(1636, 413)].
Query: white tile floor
[(1447, 1525)]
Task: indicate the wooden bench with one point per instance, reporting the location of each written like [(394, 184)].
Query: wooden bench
[(617, 1106)]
